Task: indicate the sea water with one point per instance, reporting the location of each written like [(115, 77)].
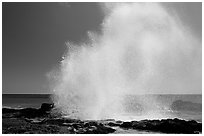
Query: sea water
[(133, 111)]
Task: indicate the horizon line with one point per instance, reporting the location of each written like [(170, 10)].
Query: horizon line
[(126, 94)]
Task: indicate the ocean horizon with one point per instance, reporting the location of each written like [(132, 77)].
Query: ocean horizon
[(133, 106)]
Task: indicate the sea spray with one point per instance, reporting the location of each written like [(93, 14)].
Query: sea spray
[(142, 50)]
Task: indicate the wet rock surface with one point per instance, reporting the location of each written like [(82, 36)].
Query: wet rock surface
[(44, 111), (165, 126), (41, 121)]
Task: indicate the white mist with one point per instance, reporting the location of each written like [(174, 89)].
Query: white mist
[(142, 50)]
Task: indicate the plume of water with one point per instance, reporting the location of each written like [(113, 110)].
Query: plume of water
[(142, 50)]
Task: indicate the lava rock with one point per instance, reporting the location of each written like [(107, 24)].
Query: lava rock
[(99, 129), (28, 112), (126, 125), (113, 124), (47, 106), (31, 120), (8, 110), (165, 126)]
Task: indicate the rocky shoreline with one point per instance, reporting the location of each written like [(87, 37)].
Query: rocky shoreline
[(42, 121)]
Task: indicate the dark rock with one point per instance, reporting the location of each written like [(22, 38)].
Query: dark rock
[(9, 113), (36, 120), (86, 124), (134, 124), (91, 123), (28, 112), (165, 126), (47, 106), (99, 129), (31, 120), (19, 125), (119, 122), (7, 110), (126, 125), (113, 124), (76, 126), (61, 121)]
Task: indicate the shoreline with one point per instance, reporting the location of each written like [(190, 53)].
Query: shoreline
[(44, 121)]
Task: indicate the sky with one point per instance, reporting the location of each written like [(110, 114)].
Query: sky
[(34, 37)]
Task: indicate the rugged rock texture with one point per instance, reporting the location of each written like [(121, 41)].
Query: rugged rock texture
[(28, 112), (41, 121), (30, 120), (165, 126)]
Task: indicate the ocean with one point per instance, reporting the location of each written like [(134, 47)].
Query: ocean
[(137, 107), (25, 100)]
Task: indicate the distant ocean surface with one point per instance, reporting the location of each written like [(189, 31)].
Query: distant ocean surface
[(188, 107), (25, 100)]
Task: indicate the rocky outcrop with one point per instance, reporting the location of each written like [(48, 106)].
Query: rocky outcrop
[(28, 112), (30, 120), (47, 107), (39, 125), (165, 126)]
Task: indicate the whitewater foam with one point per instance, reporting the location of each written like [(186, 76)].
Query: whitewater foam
[(142, 49)]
